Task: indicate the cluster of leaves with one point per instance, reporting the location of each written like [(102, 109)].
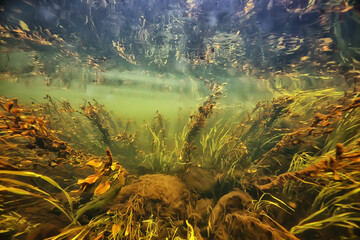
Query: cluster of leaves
[(92, 127), (17, 120)]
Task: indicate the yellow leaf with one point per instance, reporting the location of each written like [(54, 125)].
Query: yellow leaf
[(115, 229), (114, 166), (24, 26), (89, 180), (94, 163), (101, 236), (127, 232), (326, 49), (191, 233), (304, 58), (102, 188)]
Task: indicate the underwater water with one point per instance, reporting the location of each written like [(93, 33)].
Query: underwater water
[(179, 119)]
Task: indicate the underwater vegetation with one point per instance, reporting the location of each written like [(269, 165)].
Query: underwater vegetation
[(213, 180), (255, 132)]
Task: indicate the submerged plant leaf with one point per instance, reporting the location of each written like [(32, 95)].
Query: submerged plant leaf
[(85, 183), (191, 233), (94, 163), (102, 200), (45, 178), (102, 188), (115, 229), (89, 180), (46, 198), (100, 236), (18, 191), (24, 26)]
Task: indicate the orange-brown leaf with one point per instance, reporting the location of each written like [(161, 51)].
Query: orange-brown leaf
[(89, 180), (102, 188), (94, 163), (101, 236), (115, 229)]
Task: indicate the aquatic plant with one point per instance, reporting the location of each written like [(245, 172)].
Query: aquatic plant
[(335, 180), (164, 155), (234, 214), (99, 118), (263, 204), (197, 122), (161, 159), (282, 129), (13, 188), (109, 184), (14, 225), (220, 148), (130, 209)]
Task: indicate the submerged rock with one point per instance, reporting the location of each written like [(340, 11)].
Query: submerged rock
[(164, 195), (200, 179)]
